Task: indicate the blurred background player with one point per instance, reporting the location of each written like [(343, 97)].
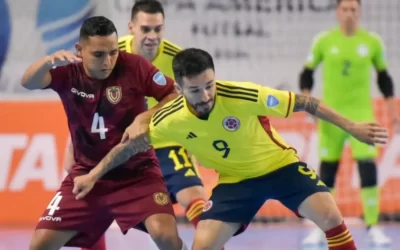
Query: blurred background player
[(103, 92), (147, 39), (347, 53)]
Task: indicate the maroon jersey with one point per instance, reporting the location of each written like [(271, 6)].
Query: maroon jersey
[(99, 111)]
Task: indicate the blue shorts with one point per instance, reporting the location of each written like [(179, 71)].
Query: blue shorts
[(239, 202), (178, 170)]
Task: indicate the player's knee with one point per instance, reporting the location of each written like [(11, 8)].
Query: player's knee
[(332, 218), (322, 210), (328, 172), (40, 243), (187, 195), (368, 173), (202, 241), (45, 239)]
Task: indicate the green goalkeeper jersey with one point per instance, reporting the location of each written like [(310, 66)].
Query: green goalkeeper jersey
[(347, 67)]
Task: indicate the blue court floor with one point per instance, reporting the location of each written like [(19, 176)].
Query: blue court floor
[(257, 237)]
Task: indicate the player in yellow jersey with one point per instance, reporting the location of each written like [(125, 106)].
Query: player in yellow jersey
[(146, 39), (226, 127)]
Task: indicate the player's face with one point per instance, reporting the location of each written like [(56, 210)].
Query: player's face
[(199, 91), (148, 30), (348, 14), (99, 55)]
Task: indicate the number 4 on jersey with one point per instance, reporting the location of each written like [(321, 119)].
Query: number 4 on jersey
[(54, 204), (98, 126)]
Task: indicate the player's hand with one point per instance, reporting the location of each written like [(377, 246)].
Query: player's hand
[(369, 132), (62, 58), (82, 185), (137, 136)]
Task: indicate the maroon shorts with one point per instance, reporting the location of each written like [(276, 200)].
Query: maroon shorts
[(127, 199)]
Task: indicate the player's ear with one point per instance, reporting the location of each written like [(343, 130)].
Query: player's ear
[(78, 48), (178, 88), (130, 27)]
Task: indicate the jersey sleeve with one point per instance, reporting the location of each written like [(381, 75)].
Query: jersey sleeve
[(154, 83), (273, 102), (379, 57), (59, 78), (315, 55)]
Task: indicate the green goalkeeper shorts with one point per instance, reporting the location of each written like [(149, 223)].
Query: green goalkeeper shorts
[(332, 140)]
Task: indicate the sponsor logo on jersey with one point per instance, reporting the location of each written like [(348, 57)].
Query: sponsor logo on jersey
[(231, 123), (82, 94), (334, 50), (159, 78), (114, 94), (208, 206), (161, 198), (272, 101), (191, 135)]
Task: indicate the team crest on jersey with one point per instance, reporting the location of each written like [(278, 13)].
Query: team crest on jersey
[(231, 123), (114, 94), (208, 206), (161, 198), (334, 50), (363, 50)]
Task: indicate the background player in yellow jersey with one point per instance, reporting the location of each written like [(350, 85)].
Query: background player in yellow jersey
[(147, 39), (348, 54), (224, 124)]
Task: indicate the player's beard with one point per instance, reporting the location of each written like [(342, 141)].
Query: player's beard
[(204, 108)]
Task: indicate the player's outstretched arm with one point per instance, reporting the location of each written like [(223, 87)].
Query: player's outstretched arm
[(38, 76), (120, 154), (117, 156), (370, 133)]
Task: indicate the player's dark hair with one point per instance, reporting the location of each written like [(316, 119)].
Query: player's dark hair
[(338, 2), (97, 26), (191, 62), (147, 6)]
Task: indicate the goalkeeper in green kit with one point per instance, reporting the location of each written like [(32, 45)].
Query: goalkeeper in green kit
[(349, 54)]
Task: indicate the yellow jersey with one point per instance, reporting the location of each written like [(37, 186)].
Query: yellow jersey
[(163, 62), (236, 139)]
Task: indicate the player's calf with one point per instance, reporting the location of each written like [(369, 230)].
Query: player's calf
[(163, 230), (369, 191), (322, 210), (45, 239)]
